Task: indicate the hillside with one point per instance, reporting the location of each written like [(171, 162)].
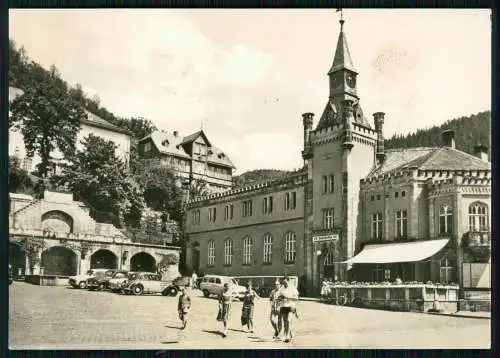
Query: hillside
[(258, 175), (469, 131)]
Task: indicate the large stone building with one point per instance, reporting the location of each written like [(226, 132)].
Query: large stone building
[(56, 236), (192, 157), (93, 124), (355, 211)]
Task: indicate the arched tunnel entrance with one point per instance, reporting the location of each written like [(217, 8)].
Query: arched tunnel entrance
[(143, 262), (17, 259), (103, 259), (59, 260)]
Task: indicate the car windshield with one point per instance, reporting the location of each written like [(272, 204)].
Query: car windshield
[(132, 276), (90, 272), (120, 275)]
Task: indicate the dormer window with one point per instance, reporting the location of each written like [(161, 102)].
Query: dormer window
[(165, 143)]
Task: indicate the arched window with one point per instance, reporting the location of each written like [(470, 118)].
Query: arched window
[(211, 253), (445, 220), (268, 249), (228, 252), (247, 250), (290, 251), (478, 217)]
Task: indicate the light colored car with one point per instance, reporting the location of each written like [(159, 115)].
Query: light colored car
[(214, 284), (80, 281), (149, 283), (116, 282)]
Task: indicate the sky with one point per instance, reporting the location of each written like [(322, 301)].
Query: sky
[(246, 76)]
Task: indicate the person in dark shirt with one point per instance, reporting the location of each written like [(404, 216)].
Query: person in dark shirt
[(184, 306)]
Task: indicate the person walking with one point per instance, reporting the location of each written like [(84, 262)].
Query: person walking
[(194, 279), (184, 306), (289, 294), (248, 308), (275, 315), (225, 307)]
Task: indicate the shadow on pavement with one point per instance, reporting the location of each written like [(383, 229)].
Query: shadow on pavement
[(170, 342), (237, 330), (175, 327), (218, 333)]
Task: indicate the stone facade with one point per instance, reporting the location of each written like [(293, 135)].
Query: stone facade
[(56, 236), (352, 193)]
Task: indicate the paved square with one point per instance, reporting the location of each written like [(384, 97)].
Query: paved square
[(65, 318)]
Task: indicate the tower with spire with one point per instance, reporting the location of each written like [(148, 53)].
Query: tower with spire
[(337, 154)]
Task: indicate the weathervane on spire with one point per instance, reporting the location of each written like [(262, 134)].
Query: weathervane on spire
[(341, 17)]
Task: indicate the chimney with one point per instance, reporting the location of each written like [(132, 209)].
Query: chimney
[(448, 138), (307, 121), (481, 151), (176, 133), (378, 120)]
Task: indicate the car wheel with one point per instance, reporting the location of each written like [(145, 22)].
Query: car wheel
[(82, 284), (137, 290), (173, 291), (101, 286), (206, 293)]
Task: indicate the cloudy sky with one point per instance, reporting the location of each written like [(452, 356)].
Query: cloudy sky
[(248, 75)]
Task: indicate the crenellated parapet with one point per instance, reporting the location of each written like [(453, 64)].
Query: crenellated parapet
[(395, 176), (462, 184), (298, 179)]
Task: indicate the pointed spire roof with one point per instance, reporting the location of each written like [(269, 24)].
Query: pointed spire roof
[(342, 59)]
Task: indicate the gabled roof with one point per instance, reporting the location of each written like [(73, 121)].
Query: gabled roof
[(429, 158), (170, 144), (331, 115), (96, 121), (192, 137), (342, 59)]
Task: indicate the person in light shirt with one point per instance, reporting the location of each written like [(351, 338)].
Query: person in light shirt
[(275, 315), (288, 295)]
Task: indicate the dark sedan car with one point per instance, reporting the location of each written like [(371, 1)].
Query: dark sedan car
[(175, 286), (101, 281)]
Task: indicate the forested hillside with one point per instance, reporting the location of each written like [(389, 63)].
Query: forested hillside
[(469, 131), (258, 175)]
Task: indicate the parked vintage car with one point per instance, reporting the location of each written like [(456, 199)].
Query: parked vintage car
[(149, 283), (214, 284), (177, 284), (116, 282), (80, 281), (101, 280)]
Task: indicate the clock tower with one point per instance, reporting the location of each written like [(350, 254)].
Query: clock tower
[(343, 85)]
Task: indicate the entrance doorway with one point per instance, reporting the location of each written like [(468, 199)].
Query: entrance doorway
[(329, 264), (195, 257)]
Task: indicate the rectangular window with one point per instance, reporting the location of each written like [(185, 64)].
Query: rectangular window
[(294, 200), (228, 252), (212, 214), (147, 147), (325, 184), (228, 212), (446, 271), (401, 224), (327, 218), (247, 208), (377, 273), (331, 183), (247, 251), (445, 220), (290, 201), (196, 217), (267, 205), (377, 226)]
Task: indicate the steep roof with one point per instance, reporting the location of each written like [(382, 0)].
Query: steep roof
[(192, 137), (96, 121), (342, 59), (170, 144), (429, 158)]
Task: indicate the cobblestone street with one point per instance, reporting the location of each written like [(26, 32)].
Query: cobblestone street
[(65, 318)]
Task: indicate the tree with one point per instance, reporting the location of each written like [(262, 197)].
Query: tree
[(96, 175), (161, 192), (19, 179), (198, 188), (46, 115)]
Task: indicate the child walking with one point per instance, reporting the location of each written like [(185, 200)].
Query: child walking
[(184, 306)]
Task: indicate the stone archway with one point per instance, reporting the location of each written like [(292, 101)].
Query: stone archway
[(17, 259), (103, 259), (143, 261), (59, 260)]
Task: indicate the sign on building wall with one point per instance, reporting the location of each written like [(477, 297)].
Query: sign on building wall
[(476, 275), (321, 238)]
